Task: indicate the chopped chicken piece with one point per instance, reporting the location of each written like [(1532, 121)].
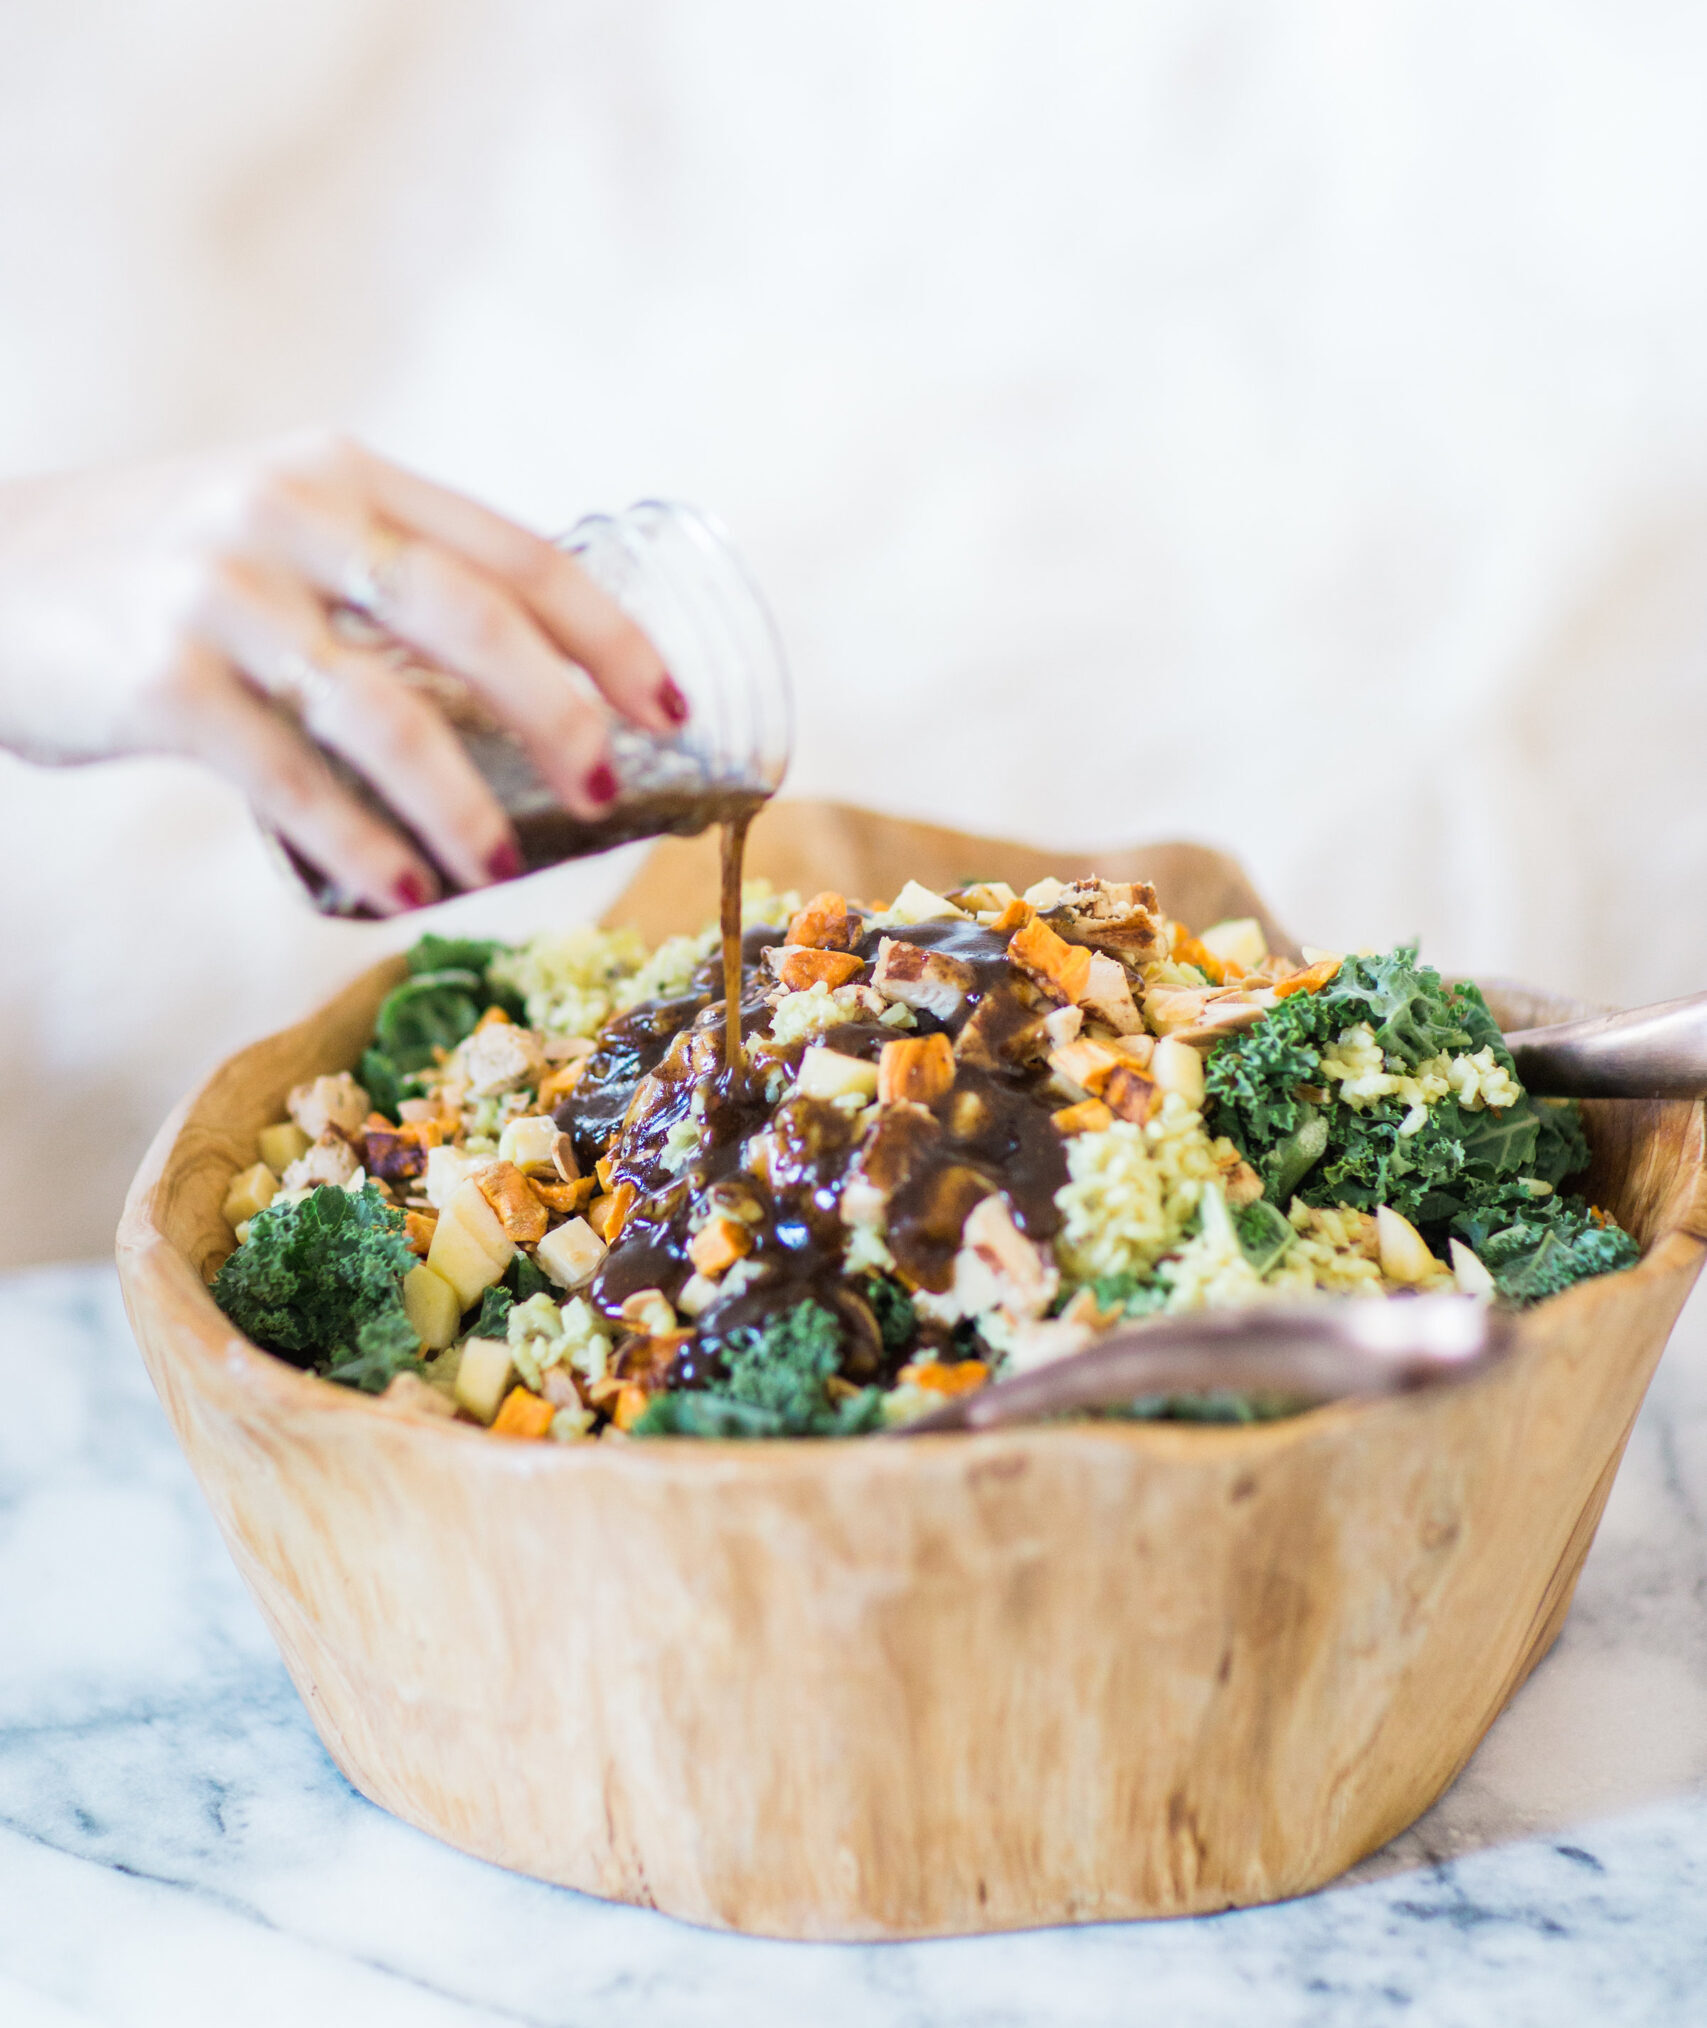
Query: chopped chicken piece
[(1004, 1030), (1061, 968), (1063, 1025), (331, 1160), (918, 1069), (1242, 1185), (337, 1102), (930, 982), (800, 966), (500, 1057), (1108, 994), (998, 1267), (520, 1211), (826, 923), (1119, 916)]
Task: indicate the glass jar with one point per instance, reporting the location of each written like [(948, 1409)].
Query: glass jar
[(676, 573)]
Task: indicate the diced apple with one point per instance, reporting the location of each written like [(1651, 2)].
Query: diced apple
[(483, 1376), (446, 1168), (250, 1192), (571, 1253), (916, 903), (1175, 1066), (1404, 1252), (529, 1142), (1471, 1276), (470, 1249), (281, 1145), (433, 1307), (1239, 939)]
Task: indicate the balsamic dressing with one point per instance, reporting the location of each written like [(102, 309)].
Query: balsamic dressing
[(782, 1168)]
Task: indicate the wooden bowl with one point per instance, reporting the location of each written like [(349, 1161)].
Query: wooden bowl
[(858, 1689)]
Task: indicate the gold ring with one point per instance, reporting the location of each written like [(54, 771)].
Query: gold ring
[(372, 578)]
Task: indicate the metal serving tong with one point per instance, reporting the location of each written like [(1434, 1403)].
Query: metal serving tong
[(1311, 1352), (1646, 1052)]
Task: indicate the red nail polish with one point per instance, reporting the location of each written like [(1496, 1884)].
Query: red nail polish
[(674, 703), (601, 784), (505, 862), (411, 890)]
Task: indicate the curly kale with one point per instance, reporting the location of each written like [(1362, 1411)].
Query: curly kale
[(776, 1384), (1536, 1246), (320, 1282), (441, 1002), (1460, 1169)]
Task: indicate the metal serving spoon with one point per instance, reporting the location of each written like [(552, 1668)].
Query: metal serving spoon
[(1305, 1351), (1645, 1052)]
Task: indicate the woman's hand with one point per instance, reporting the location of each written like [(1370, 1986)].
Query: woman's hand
[(189, 607)]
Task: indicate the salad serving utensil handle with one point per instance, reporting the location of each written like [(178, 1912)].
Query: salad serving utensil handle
[(1317, 1352), (1645, 1052)]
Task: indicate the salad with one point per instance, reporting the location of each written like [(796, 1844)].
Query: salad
[(969, 1133)]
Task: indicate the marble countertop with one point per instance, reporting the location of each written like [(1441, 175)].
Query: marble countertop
[(176, 1848)]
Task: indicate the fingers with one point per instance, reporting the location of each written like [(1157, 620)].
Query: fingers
[(456, 617), (355, 703), (290, 787), (580, 618)]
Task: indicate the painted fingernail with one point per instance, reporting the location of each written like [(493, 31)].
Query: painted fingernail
[(601, 784), (411, 890), (675, 705), (505, 862)]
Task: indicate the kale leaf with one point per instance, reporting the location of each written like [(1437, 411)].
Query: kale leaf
[(897, 1320), (1337, 1154), (320, 1282), (1536, 1246), (441, 1001), (775, 1385)]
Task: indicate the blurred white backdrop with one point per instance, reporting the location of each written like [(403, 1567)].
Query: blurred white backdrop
[(1286, 428)]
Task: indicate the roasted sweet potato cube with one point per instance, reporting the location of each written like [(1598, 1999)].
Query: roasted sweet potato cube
[(510, 1195), (523, 1415), (718, 1245), (609, 1214), (1089, 1116), (1310, 980), (800, 966), (1061, 968), (563, 1200), (1084, 1064), (825, 923), (556, 1085), (1128, 1095), (919, 1068), (1013, 917), (418, 1229)]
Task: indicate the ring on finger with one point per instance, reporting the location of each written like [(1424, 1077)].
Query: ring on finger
[(371, 579), (306, 684)]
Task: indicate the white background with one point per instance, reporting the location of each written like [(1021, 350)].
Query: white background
[(1283, 427)]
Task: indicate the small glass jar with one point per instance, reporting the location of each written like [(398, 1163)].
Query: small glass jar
[(676, 573)]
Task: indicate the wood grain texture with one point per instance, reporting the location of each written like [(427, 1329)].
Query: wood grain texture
[(870, 1690)]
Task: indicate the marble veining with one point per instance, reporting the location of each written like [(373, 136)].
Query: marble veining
[(175, 1846)]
